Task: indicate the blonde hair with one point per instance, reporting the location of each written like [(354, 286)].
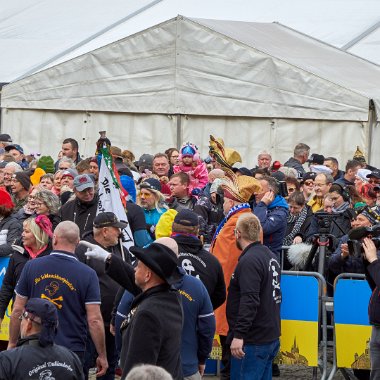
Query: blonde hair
[(249, 227), (42, 238)]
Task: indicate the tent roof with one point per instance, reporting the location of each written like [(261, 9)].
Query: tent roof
[(208, 67), (38, 33)]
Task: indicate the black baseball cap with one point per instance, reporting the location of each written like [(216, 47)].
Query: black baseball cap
[(108, 219), (4, 137), (186, 217), (375, 173), (316, 159)]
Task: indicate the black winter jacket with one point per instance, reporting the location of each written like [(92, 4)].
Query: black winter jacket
[(20, 257), (10, 232), (372, 272), (198, 262), (108, 287), (153, 335), (82, 214), (29, 360)]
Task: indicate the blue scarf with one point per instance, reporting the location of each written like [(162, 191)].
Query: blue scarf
[(233, 211)]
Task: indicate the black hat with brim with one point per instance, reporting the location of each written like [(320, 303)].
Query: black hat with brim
[(161, 260)]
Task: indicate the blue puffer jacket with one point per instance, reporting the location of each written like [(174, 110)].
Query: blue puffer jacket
[(273, 219)]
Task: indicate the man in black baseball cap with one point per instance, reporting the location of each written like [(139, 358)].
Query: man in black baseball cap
[(108, 219), (374, 176), (39, 324), (106, 233), (151, 333)]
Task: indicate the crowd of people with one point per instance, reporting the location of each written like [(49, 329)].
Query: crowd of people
[(210, 241)]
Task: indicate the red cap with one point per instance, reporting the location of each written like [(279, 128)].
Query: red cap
[(276, 165), (5, 199)]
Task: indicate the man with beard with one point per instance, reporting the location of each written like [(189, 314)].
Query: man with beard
[(253, 305)]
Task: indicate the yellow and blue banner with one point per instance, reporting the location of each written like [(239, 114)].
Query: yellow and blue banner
[(299, 320), (352, 329), (4, 329)]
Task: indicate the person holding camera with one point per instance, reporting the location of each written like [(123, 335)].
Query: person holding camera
[(372, 271), (342, 261)]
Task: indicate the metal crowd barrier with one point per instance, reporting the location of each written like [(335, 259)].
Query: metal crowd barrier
[(303, 321), (352, 331)]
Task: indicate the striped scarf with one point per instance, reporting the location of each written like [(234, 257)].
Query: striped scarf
[(299, 221)]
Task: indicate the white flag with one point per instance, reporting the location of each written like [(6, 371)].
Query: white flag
[(109, 198)]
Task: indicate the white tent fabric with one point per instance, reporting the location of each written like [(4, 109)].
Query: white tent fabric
[(40, 33), (208, 67), (224, 77)]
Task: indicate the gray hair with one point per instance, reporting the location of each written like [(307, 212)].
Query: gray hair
[(329, 177), (14, 165), (264, 152), (148, 372), (50, 199), (69, 160), (301, 149)]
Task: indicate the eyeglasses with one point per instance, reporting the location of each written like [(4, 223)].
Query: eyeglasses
[(291, 189), (38, 203), (31, 317), (309, 183), (146, 195)]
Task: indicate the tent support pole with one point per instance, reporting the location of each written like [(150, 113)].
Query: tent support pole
[(179, 130), (371, 118)]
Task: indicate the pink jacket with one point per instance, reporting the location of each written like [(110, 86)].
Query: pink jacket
[(198, 175)]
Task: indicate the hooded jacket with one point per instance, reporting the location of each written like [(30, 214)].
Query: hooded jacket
[(199, 263), (274, 220)]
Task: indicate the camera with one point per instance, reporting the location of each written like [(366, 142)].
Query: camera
[(282, 188), (355, 246), (324, 221)]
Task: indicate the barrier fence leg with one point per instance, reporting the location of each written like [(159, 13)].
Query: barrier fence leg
[(324, 338)]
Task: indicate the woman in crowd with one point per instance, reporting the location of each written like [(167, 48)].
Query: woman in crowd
[(57, 184), (307, 185), (342, 208), (299, 219), (36, 235), (173, 155), (47, 203), (47, 181), (30, 207)]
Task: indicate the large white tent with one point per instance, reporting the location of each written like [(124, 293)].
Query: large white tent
[(38, 33), (257, 85)]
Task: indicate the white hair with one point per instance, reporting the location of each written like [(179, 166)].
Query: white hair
[(14, 165)]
